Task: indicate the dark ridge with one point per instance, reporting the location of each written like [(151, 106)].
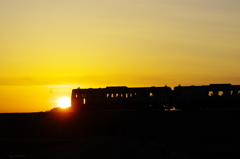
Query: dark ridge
[(166, 125)]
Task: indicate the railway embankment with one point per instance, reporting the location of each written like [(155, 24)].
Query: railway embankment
[(180, 134), (166, 125)]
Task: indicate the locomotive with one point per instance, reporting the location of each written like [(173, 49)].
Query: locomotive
[(156, 98)]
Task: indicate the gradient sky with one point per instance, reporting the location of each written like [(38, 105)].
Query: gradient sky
[(49, 47)]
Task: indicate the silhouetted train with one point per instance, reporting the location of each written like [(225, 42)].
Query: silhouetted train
[(157, 98)]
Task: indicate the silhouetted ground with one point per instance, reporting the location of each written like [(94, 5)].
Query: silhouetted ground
[(187, 134)]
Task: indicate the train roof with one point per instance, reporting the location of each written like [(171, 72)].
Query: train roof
[(210, 85), (123, 87)]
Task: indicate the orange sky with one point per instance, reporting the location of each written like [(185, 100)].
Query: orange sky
[(49, 47)]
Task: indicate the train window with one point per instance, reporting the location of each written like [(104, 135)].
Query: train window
[(121, 95), (116, 94), (84, 100), (238, 92), (150, 94), (112, 95), (76, 95), (231, 92), (130, 94), (107, 95), (220, 93), (210, 93), (126, 95)]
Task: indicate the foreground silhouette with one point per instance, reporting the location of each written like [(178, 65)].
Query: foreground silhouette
[(106, 133)]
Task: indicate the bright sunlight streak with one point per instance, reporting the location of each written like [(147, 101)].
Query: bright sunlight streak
[(63, 102)]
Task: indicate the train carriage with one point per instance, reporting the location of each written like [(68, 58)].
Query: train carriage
[(207, 96), (122, 98)]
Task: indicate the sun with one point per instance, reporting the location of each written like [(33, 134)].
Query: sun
[(63, 102)]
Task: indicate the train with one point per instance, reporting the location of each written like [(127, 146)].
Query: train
[(212, 96)]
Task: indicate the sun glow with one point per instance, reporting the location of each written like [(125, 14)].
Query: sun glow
[(63, 102)]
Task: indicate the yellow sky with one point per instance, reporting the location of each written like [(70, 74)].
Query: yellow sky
[(49, 47)]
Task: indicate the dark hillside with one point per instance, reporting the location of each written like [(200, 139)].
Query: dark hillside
[(188, 124), (119, 134)]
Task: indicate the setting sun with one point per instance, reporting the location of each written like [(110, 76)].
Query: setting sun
[(63, 102)]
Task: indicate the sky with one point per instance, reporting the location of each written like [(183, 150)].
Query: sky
[(49, 47)]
